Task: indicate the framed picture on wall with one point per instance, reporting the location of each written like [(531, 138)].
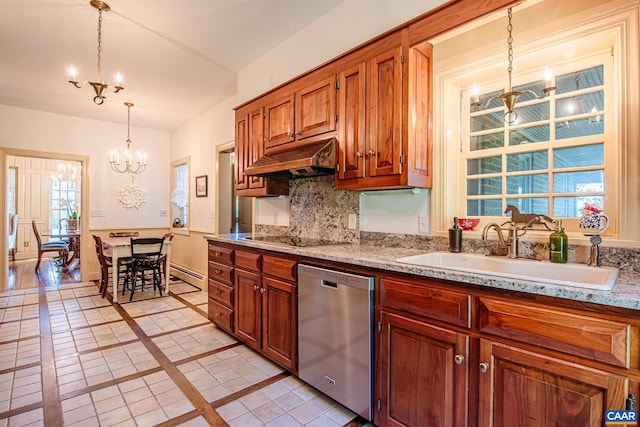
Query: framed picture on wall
[(201, 186)]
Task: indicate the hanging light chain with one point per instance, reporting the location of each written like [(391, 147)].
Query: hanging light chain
[(510, 47), (99, 43)]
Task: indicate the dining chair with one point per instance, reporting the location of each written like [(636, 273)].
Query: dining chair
[(106, 263), (145, 254), (51, 246), (163, 257), (13, 236)]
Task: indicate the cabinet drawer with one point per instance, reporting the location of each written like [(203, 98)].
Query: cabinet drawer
[(221, 293), (221, 273), (220, 254), (423, 300), (220, 315), (589, 337), (280, 267), (248, 260)]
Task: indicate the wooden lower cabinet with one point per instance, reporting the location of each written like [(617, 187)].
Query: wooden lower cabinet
[(247, 307), (279, 322), (266, 316), (522, 388), (423, 374)]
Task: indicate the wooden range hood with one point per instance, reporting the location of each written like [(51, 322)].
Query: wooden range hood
[(314, 159)]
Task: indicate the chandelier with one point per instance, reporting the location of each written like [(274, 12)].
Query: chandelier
[(510, 98), (98, 86), (141, 158), (65, 172)]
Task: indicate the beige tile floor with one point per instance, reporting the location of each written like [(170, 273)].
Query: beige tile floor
[(154, 361)]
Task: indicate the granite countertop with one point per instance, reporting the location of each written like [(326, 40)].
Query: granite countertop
[(625, 293)]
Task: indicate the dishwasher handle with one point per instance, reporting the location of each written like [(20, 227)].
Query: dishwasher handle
[(328, 284)]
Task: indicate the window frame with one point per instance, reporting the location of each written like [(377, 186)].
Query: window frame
[(183, 213), (607, 138), (623, 23)]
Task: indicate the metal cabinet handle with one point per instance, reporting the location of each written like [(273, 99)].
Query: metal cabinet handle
[(218, 292), (299, 132), (262, 290), (358, 154), (218, 314), (218, 271), (216, 253), (290, 134), (255, 287), (484, 367), (372, 153), (459, 358)]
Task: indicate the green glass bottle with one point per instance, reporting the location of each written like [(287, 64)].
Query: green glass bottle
[(558, 244)]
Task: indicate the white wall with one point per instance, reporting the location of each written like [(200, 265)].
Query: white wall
[(198, 139), (350, 24), (49, 132)]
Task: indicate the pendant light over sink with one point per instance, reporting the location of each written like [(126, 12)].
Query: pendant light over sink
[(510, 97)]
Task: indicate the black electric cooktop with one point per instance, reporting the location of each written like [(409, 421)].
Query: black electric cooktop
[(293, 240)]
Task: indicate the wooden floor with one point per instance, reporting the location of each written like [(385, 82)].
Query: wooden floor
[(22, 274)]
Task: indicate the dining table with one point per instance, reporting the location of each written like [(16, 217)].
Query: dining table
[(120, 247), (74, 237)]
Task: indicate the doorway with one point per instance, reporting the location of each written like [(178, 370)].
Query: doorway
[(234, 214), (48, 188)]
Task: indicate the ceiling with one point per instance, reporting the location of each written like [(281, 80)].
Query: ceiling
[(177, 58)]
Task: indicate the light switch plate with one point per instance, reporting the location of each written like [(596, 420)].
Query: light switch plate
[(352, 221), (163, 213), (423, 224), (97, 213)]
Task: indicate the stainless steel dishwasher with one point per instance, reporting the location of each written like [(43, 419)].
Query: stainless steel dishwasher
[(335, 318)]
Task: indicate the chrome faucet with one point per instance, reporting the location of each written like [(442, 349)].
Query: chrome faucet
[(512, 238)]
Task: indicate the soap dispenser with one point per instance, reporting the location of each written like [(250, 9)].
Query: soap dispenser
[(558, 244), (455, 237)]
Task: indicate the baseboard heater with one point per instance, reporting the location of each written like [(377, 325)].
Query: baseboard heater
[(188, 276)]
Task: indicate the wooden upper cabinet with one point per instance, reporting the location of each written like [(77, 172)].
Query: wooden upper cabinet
[(256, 143), (420, 126), (280, 122), (242, 152), (315, 109), (249, 147), (352, 122), (308, 112), (370, 119), (384, 148)]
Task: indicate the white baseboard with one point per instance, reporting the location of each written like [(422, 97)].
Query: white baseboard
[(188, 276)]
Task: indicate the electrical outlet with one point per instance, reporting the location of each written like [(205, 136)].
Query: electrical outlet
[(163, 213), (352, 221), (423, 224)]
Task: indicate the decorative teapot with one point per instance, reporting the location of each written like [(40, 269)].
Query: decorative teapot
[(593, 221)]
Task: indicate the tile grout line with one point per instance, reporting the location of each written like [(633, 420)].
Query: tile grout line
[(198, 401), (50, 394)]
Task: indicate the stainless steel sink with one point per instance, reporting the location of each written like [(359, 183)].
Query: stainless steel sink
[(575, 275)]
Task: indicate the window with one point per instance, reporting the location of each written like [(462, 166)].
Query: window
[(551, 158), (64, 194), (180, 193)]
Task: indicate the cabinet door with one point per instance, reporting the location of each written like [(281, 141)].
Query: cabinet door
[(384, 104), (351, 122), (256, 144), (521, 388), (247, 307), (279, 322), (243, 151), (279, 126), (315, 109), (422, 373)]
